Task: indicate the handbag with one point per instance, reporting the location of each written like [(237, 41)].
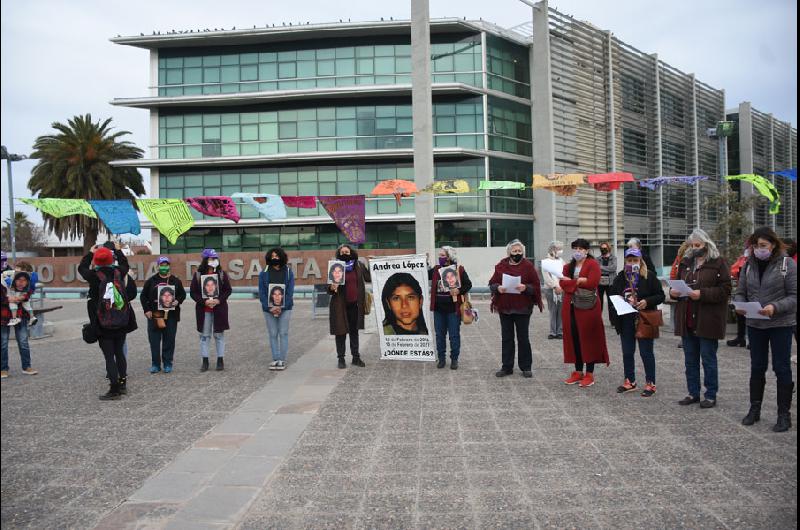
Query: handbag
[(466, 312), (648, 323), (160, 318), (584, 298), (89, 334), (368, 303)]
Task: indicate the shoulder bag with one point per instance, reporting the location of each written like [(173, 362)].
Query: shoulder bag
[(584, 298), (648, 323)]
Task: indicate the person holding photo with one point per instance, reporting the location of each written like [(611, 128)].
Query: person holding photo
[(162, 340), (277, 303), (211, 313), (347, 305), (210, 289), (446, 305)]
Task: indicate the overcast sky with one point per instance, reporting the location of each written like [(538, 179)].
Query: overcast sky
[(57, 61)]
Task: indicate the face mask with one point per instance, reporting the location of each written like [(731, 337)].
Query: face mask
[(762, 253), (275, 261), (603, 251), (442, 262), (696, 252), (213, 263), (163, 270), (516, 258), (578, 255)]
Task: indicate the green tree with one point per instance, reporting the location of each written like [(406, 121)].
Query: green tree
[(27, 236), (734, 221), (74, 164)]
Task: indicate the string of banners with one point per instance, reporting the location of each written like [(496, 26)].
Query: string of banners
[(172, 217)]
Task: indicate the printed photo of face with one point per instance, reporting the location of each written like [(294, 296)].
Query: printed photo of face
[(336, 273), (210, 286), (166, 298), (451, 279), (276, 294)]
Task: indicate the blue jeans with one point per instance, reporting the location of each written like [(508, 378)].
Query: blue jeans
[(447, 324), (695, 350), (162, 341), (780, 341), (21, 334), (205, 337), (278, 333), (628, 339)]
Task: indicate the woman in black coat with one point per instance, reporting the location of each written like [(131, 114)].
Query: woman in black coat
[(642, 289)]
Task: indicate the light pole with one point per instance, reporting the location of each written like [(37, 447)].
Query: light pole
[(721, 133), (4, 155)]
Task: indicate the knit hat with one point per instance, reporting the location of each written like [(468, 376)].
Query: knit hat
[(103, 257), (635, 252), (209, 253)]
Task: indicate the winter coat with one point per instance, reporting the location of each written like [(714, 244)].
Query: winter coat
[(263, 289), (648, 289), (777, 287), (507, 303), (220, 311), (591, 330), (337, 314), (149, 296), (89, 274), (711, 310)]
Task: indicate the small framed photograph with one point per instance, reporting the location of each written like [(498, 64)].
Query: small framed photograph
[(449, 279), (336, 271), (209, 285), (277, 295), (166, 298)]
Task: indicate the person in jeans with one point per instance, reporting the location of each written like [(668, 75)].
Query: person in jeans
[(21, 334), (641, 288), (608, 270), (162, 340), (552, 291), (347, 305), (277, 318), (701, 317), (515, 308), (769, 277), (211, 313), (585, 336), (446, 307)]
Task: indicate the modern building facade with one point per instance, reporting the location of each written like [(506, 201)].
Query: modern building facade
[(325, 109)]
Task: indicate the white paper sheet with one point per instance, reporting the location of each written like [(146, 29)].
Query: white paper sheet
[(680, 286), (552, 268), (510, 283), (751, 310), (621, 306)]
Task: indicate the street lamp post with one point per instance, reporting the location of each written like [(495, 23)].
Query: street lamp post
[(4, 155)]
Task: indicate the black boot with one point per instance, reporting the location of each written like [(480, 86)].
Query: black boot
[(340, 362), (357, 361), (756, 397), (112, 394), (123, 385), (220, 364), (784, 405), (204, 368)]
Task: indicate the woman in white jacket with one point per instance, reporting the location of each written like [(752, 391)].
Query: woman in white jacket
[(552, 291)]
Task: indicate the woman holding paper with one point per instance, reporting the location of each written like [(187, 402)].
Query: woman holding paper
[(769, 277), (446, 300), (347, 305), (552, 291), (641, 289), (701, 314), (515, 305), (584, 332)]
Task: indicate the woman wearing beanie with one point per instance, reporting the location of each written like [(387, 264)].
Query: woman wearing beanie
[(277, 317), (347, 305), (211, 311), (582, 316), (769, 277), (162, 324), (642, 289)]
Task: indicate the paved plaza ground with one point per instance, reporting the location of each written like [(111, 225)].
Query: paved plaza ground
[(392, 445)]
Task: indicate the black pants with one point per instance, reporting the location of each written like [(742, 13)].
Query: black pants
[(603, 292), (576, 343), (116, 365), (508, 324), (741, 327), (351, 313)]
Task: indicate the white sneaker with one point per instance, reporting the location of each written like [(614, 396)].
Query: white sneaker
[(33, 321), (14, 321), (274, 365), (281, 365)]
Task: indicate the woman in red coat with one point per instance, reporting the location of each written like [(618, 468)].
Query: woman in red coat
[(584, 333)]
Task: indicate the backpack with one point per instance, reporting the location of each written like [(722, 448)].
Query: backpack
[(113, 309)]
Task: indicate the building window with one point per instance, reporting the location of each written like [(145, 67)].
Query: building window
[(511, 201), (509, 127), (507, 67), (673, 158), (672, 109), (634, 147), (633, 95)]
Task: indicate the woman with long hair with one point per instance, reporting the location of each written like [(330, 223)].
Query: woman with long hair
[(211, 312), (347, 305), (277, 315)]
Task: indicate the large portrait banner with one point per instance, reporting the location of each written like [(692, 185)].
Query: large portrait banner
[(400, 289)]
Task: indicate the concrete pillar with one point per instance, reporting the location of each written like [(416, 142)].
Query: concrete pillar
[(422, 112), (696, 155), (746, 150), (612, 137), (155, 238), (771, 165), (658, 255), (544, 202)]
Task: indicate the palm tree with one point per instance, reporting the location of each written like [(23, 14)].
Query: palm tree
[(74, 164), (27, 235)]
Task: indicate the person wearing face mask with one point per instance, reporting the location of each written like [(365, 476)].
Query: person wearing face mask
[(701, 317), (162, 340), (277, 317), (446, 307), (211, 313), (515, 307), (641, 289), (608, 270), (741, 321), (769, 277), (584, 332), (347, 305), (552, 291), (635, 242)]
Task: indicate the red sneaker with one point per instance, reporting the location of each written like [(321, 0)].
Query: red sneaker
[(588, 380), (574, 378)]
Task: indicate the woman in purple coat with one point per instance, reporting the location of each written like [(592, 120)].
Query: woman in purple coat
[(211, 311)]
